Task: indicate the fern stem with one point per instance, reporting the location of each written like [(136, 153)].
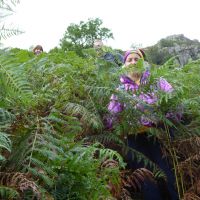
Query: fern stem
[(180, 173), (190, 171), (173, 160), (32, 148)]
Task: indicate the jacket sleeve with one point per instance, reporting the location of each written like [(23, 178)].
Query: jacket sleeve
[(114, 108), (164, 85)]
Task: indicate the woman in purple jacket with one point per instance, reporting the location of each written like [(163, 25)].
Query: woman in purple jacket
[(151, 148), (134, 81)]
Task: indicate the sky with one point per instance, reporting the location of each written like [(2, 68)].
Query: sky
[(139, 22)]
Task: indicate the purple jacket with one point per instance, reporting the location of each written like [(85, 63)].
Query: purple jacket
[(148, 98)]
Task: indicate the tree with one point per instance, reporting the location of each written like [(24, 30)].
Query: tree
[(82, 35), (157, 55)]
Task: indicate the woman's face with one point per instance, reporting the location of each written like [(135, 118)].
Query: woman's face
[(98, 44), (132, 59), (38, 51)]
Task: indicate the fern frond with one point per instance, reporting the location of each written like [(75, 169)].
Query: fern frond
[(42, 175), (5, 142), (5, 118), (187, 147), (138, 156), (98, 91), (190, 196), (19, 181), (86, 116), (190, 160), (8, 5), (41, 166), (106, 138), (8, 193), (109, 163), (7, 8), (8, 32), (15, 81), (135, 179), (131, 181), (106, 153)]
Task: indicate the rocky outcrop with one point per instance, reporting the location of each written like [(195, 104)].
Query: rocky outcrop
[(176, 45), (185, 54)]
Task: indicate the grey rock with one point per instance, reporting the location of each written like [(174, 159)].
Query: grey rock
[(183, 48)]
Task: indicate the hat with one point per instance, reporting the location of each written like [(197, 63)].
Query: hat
[(140, 52)]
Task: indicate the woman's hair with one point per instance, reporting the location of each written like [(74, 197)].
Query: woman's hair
[(38, 47), (140, 52)]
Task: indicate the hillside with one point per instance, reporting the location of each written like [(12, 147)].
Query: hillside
[(175, 45)]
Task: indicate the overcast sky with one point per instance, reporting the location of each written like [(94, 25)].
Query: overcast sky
[(131, 21)]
